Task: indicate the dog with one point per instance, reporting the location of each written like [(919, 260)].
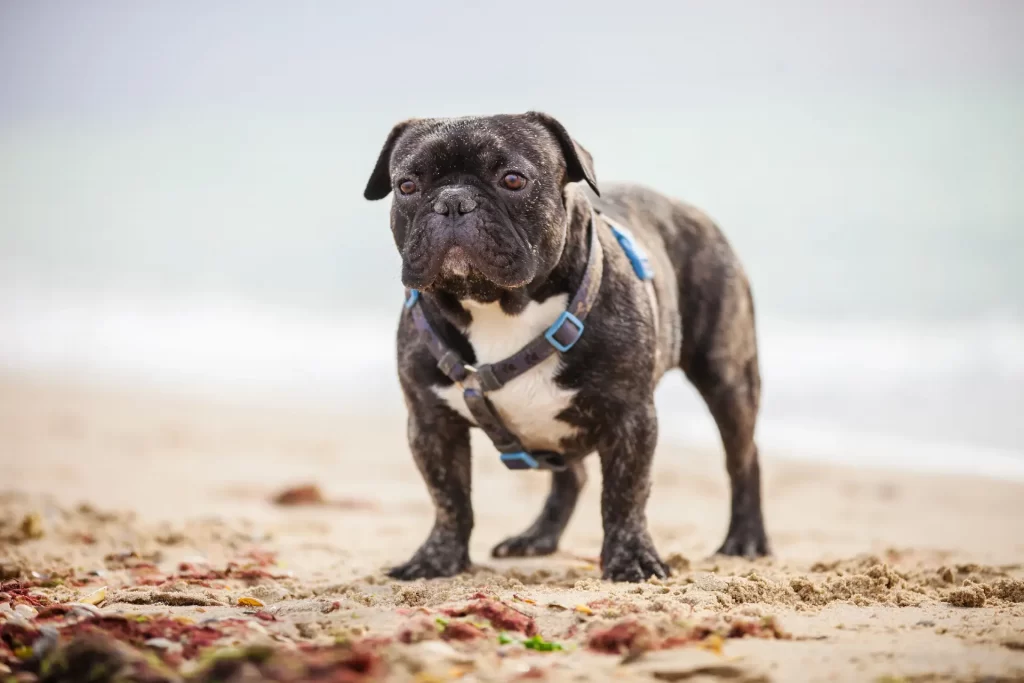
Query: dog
[(545, 311)]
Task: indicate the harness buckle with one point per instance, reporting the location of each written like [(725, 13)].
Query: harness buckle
[(563, 337)]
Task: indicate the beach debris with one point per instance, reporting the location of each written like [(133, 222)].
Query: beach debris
[(346, 662), (136, 630), (461, 630), (94, 598), (46, 643), (132, 560), (540, 645), (713, 643), (499, 614), (31, 526), (418, 629), (26, 611), (249, 602), (626, 637), (83, 610), (170, 538), (17, 592), (307, 494), (535, 642), (163, 644), (311, 494), (632, 638)]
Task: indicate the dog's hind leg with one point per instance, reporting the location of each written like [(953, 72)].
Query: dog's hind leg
[(721, 361), (543, 535)]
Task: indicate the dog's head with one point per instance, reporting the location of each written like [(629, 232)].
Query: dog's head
[(479, 205)]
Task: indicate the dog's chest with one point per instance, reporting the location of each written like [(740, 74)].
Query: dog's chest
[(530, 403)]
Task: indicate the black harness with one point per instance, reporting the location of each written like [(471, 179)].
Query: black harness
[(560, 337)]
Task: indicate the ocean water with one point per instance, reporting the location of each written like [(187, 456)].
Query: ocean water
[(938, 397), (180, 196)]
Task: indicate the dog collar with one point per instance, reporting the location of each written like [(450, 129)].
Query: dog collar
[(560, 337)]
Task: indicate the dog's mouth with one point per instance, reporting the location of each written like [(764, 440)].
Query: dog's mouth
[(452, 262), (456, 263)]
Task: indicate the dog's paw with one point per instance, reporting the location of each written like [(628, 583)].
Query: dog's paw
[(419, 568), (526, 544), (433, 560), (631, 556), (746, 540)]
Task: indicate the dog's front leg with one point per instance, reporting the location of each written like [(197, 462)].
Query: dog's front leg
[(628, 553), (439, 439)]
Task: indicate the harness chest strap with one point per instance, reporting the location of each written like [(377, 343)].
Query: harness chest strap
[(560, 337)]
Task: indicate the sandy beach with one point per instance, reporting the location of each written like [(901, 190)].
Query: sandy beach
[(204, 474), (141, 502)]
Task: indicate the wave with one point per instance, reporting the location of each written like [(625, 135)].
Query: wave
[(936, 396)]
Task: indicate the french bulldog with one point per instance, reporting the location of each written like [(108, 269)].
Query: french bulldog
[(493, 217)]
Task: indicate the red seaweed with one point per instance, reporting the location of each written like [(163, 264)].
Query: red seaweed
[(500, 615)]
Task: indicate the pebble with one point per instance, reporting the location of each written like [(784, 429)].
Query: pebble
[(20, 622), (163, 644), (80, 609), (26, 611)]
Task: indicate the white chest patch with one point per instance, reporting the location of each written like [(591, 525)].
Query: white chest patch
[(529, 404)]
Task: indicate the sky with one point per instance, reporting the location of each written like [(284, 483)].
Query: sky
[(116, 59), (871, 150)]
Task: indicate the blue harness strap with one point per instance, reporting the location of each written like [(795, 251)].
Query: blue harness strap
[(636, 255)]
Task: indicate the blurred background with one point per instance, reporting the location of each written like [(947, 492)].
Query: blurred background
[(181, 194)]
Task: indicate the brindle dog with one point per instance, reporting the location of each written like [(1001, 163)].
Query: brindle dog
[(493, 224)]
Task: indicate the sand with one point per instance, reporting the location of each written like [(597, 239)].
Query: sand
[(148, 503)]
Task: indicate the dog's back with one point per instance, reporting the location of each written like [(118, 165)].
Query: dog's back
[(711, 299)]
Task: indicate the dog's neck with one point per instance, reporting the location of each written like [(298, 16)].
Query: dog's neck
[(564, 278)]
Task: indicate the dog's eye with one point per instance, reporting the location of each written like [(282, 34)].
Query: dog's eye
[(513, 181), (407, 187)]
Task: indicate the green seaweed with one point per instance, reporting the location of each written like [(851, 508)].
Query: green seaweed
[(540, 645)]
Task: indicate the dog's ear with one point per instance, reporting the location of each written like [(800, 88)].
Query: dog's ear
[(578, 162), (379, 185)]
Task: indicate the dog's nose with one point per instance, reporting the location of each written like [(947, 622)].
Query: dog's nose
[(452, 201)]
